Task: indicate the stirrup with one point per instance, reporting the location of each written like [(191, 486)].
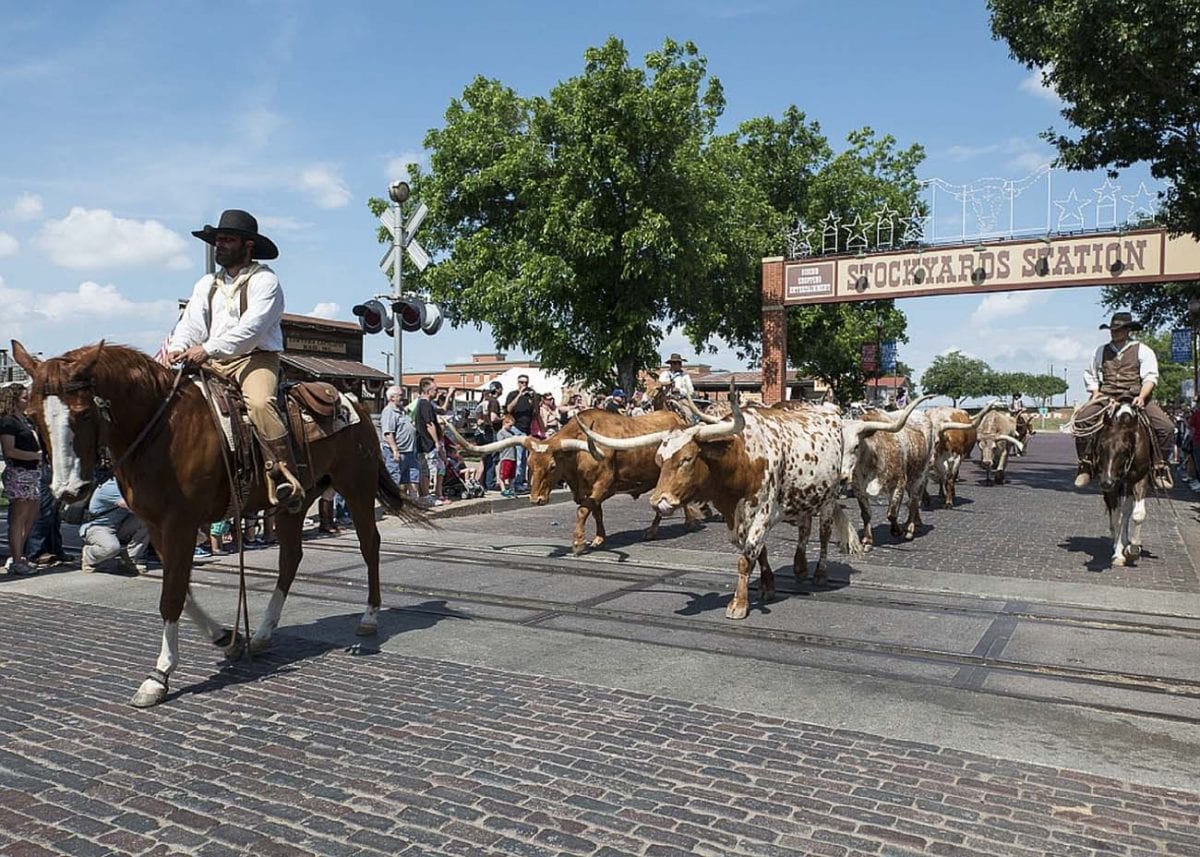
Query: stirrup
[(1162, 477), (1083, 476)]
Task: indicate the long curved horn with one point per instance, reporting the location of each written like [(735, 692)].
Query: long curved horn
[(690, 407), (575, 445), (869, 427), (1020, 446), (725, 428), (495, 446), (974, 424), (636, 442)]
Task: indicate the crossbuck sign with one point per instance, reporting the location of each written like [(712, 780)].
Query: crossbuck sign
[(402, 236)]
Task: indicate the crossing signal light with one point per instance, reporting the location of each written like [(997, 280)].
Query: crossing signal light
[(410, 313), (373, 317)]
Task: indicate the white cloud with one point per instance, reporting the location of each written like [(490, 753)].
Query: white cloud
[(397, 167), (258, 126), (1065, 348), (283, 225), (1030, 161), (94, 301), (1034, 85), (325, 186), (325, 309), (1004, 305), (27, 207), (8, 245), (96, 238)]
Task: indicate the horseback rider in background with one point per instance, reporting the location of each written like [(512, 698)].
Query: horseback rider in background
[(1124, 368), (232, 327)]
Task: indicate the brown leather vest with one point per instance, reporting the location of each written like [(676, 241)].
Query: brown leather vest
[(1119, 373)]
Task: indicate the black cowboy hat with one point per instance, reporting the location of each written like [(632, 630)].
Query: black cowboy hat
[(240, 223), (1122, 319)]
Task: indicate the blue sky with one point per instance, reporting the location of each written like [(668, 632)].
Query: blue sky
[(130, 124)]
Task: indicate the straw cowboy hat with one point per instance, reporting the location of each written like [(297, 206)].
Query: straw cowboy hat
[(675, 358), (1122, 319), (240, 223)]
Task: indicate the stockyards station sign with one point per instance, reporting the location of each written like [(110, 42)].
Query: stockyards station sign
[(1100, 259), (1056, 262)]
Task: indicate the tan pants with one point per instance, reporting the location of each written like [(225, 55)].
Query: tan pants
[(257, 374), (1160, 425)]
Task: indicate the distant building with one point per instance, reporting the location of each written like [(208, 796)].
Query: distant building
[(9, 370)]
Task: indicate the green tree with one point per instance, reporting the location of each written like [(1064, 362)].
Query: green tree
[(1154, 304), (1043, 388), (576, 225), (1129, 76), (956, 376)]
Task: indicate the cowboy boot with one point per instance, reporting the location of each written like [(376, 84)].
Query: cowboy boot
[(1162, 478), (283, 488)]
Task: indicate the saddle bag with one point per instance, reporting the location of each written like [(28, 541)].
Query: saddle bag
[(317, 397)]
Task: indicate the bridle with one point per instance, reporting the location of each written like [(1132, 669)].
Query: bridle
[(104, 409)]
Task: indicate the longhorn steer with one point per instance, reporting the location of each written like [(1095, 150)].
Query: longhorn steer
[(893, 463), (592, 478), (997, 435), (951, 445), (762, 465)]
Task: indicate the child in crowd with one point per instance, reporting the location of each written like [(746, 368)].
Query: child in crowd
[(508, 457)]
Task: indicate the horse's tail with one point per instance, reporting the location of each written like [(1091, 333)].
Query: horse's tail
[(396, 501)]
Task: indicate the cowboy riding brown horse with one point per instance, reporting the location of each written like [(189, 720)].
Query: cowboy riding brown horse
[(169, 460)]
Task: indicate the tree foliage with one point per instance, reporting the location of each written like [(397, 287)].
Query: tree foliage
[(1129, 75), (1156, 305), (957, 376), (582, 224)]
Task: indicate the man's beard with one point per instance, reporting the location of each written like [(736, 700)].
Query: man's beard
[(233, 256)]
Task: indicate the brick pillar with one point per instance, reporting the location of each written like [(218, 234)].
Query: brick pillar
[(774, 345)]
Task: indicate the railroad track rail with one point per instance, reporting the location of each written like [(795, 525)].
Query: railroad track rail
[(1143, 694)]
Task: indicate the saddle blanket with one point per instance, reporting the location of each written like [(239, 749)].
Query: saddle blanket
[(345, 415)]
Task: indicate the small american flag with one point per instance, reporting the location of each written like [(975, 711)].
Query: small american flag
[(161, 355)]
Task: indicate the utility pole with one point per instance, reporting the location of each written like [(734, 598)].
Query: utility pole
[(398, 191), (387, 355)]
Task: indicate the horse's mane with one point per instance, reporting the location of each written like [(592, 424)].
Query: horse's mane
[(122, 364)]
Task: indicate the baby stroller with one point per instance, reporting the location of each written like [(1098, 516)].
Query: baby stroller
[(459, 483)]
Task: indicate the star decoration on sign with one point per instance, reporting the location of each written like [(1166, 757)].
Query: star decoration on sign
[(1139, 205), (913, 227), (1072, 219), (798, 244), (829, 233), (885, 227), (1106, 201), (856, 234)]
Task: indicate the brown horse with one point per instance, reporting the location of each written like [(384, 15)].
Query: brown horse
[(1122, 449), (170, 467)]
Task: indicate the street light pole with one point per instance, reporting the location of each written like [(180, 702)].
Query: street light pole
[(387, 355), (398, 191)]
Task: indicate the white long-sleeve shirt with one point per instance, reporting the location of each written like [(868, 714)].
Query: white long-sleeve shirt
[(681, 381), (229, 332), (1147, 365)]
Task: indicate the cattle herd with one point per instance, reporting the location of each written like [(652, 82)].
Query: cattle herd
[(758, 465)]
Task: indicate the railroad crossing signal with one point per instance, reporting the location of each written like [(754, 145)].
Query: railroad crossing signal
[(402, 236)]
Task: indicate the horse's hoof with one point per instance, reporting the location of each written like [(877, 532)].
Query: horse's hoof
[(577, 548), (736, 611), (767, 596), (1133, 553), (651, 535), (367, 629), (258, 646), (225, 640), (909, 535), (1118, 561), (234, 650), (598, 542), (151, 693)]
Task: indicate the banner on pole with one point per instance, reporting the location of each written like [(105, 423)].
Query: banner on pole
[(870, 358), (888, 356), (1181, 345)]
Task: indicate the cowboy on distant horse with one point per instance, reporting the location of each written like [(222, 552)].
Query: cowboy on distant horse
[(232, 327), (1124, 368)]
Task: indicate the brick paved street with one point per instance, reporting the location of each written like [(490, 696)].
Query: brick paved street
[(1036, 527), (317, 749)]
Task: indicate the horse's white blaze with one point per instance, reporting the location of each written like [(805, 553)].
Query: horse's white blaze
[(66, 477), (270, 619)]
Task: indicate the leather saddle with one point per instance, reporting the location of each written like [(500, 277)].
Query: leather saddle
[(312, 410)]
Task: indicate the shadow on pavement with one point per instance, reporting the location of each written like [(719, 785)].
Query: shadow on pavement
[(297, 643)]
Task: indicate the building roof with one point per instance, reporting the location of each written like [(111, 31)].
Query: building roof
[(315, 321), (328, 367)]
